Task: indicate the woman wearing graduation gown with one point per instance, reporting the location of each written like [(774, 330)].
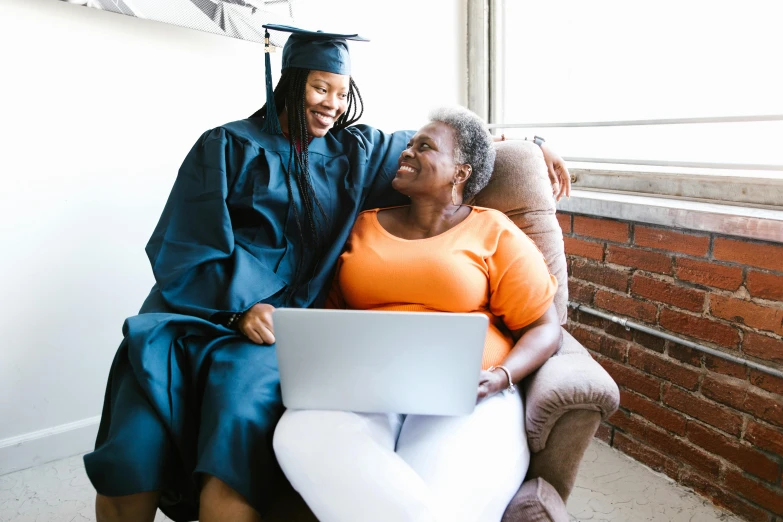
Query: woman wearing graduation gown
[(256, 219)]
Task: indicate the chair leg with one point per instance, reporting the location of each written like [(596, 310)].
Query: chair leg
[(558, 462)]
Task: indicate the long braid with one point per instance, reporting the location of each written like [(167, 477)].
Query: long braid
[(300, 135), (290, 93), (354, 110)]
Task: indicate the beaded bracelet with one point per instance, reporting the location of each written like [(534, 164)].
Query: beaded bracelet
[(511, 386), (233, 320)]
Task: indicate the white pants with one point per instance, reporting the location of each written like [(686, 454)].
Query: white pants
[(360, 467)]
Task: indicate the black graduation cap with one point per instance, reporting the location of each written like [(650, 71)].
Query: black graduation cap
[(314, 50)]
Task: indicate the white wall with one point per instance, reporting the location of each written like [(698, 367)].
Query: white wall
[(97, 112)]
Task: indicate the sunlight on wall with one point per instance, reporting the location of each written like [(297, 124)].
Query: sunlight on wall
[(99, 110)]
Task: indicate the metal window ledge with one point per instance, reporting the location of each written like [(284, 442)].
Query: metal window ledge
[(746, 222)]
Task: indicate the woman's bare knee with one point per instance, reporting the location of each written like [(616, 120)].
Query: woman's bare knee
[(219, 501), (137, 507)]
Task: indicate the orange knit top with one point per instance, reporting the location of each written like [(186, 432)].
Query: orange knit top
[(484, 264)]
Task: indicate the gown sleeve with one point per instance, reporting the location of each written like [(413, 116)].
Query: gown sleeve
[(198, 267), (383, 152)]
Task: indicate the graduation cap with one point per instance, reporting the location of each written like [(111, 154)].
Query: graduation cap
[(314, 50)]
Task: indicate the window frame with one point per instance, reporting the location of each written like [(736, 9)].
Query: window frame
[(696, 182)]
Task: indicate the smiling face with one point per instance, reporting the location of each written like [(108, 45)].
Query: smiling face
[(326, 99), (426, 166)]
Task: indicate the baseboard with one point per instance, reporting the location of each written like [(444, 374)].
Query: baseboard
[(39, 447)]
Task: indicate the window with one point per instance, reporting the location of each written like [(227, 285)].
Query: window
[(705, 77)]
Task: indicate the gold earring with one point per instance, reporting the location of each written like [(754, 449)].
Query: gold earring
[(454, 193)]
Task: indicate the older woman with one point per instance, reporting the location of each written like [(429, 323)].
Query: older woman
[(355, 466)]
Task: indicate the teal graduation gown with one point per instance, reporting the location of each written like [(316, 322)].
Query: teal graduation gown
[(186, 395)]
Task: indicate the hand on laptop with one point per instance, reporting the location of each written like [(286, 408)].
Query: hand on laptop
[(256, 324), (491, 383)]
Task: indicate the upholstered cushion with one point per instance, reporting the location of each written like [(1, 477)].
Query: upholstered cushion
[(520, 188), (536, 501), (570, 381)]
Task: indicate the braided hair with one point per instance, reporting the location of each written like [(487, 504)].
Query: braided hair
[(313, 226)]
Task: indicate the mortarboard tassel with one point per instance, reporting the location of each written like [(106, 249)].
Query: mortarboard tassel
[(271, 122)]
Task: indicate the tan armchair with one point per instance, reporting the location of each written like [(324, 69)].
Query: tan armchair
[(568, 396)]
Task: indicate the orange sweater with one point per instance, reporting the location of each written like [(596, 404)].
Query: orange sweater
[(485, 264)]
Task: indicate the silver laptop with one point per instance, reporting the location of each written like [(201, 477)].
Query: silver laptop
[(370, 361)]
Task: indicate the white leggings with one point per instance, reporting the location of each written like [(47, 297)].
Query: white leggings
[(362, 467)]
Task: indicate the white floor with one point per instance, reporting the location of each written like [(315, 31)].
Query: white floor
[(610, 487)]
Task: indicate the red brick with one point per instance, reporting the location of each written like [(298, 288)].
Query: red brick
[(748, 313), (565, 222), (599, 342), (601, 228), (604, 433), (637, 258), (747, 458), (632, 379), (631, 424), (762, 255), (724, 367), (588, 338), (613, 348), (708, 273), (581, 248), (766, 407), (765, 286), (684, 354), (653, 412), (607, 326), (653, 459), (725, 390), (755, 491), (763, 347), (662, 239), (619, 331), (600, 274), (664, 368), (649, 341), (592, 320), (683, 451), (713, 414), (766, 381), (665, 292), (580, 292), (765, 437), (722, 497), (623, 305), (665, 442), (699, 327)]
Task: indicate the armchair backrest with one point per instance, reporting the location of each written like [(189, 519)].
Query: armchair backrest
[(520, 188)]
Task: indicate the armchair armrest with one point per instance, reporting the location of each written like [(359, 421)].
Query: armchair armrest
[(569, 380)]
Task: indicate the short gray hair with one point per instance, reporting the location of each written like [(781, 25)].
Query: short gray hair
[(473, 145)]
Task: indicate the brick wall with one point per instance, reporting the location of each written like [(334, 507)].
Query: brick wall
[(710, 424)]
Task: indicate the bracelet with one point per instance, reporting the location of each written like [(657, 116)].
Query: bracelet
[(511, 386), (232, 320)]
